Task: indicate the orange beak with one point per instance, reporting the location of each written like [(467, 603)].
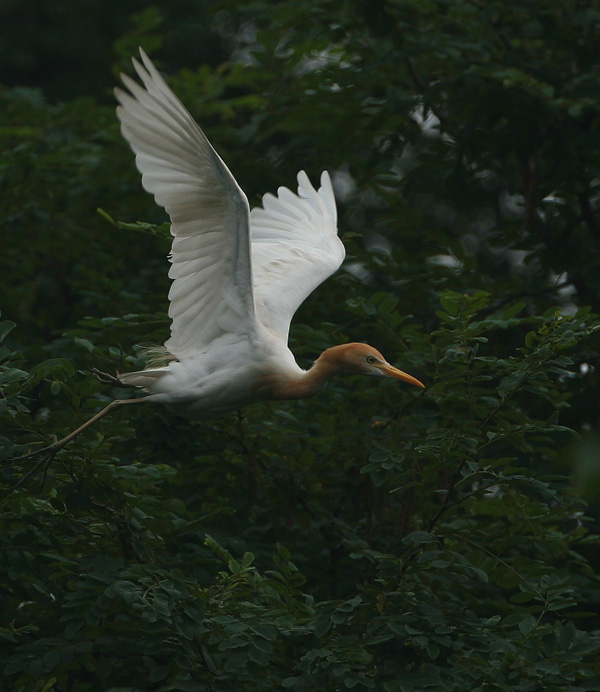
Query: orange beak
[(390, 371)]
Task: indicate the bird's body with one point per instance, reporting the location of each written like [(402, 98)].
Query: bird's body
[(238, 275), (210, 383)]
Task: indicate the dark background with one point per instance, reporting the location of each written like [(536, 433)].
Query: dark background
[(375, 536)]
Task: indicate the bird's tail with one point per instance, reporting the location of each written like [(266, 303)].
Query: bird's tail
[(146, 379)]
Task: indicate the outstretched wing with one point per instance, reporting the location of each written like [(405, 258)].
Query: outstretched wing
[(211, 294), (295, 247)]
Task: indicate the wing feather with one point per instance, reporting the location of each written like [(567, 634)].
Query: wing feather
[(211, 292), (295, 247)]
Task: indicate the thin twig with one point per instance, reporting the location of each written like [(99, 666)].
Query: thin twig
[(46, 459)]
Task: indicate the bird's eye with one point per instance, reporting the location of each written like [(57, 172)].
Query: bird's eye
[(371, 359)]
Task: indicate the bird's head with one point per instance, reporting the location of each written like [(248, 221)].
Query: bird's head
[(366, 360)]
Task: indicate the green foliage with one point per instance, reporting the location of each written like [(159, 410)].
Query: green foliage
[(429, 549), (375, 537)]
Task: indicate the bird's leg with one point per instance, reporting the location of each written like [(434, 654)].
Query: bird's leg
[(105, 378), (107, 409), (59, 444)]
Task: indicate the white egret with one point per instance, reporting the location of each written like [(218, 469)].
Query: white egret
[(238, 275)]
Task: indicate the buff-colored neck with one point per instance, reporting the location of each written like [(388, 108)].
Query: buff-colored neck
[(305, 384)]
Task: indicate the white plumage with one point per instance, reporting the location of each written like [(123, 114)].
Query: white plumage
[(238, 276)]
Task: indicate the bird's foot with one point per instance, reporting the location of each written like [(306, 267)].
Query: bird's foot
[(105, 378)]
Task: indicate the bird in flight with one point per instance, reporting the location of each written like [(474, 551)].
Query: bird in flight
[(238, 275)]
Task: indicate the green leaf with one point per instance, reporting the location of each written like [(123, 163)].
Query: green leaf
[(418, 537), (530, 339), (451, 302), (86, 343), (12, 375), (6, 327), (527, 624)]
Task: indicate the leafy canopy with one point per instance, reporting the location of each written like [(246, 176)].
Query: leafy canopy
[(374, 537)]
